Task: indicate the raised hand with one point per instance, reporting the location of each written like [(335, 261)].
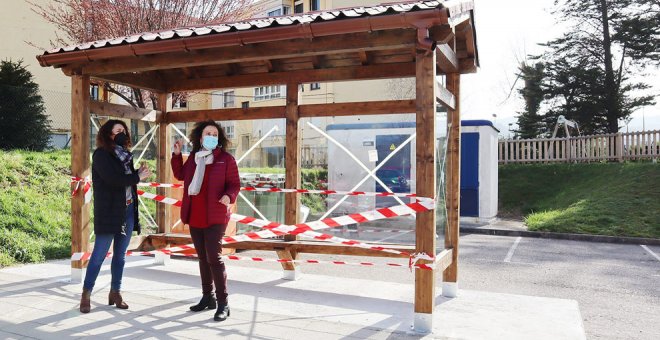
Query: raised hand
[(144, 172), (176, 148)]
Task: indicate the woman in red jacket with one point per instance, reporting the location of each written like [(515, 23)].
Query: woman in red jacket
[(211, 184)]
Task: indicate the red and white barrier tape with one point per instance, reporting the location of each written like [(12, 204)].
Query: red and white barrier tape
[(86, 187), (173, 252), (273, 229), (160, 185), (362, 230), (160, 198), (258, 188), (166, 251)]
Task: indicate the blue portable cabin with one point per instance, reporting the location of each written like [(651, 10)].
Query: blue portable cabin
[(479, 177), (478, 164)]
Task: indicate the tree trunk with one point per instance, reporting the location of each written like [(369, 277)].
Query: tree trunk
[(611, 90)]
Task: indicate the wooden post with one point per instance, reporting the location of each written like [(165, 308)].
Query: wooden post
[(164, 175), (80, 148), (425, 226), (450, 275), (619, 147), (293, 177)]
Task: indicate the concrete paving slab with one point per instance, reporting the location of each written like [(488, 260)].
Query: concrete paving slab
[(264, 306)]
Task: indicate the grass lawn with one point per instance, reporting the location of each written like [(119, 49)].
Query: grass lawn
[(618, 199), (35, 205)]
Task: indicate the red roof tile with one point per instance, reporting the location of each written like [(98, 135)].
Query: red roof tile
[(454, 7)]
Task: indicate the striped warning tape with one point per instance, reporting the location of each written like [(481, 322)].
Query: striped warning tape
[(273, 229), (86, 187), (302, 191), (173, 252), (363, 230), (166, 251)]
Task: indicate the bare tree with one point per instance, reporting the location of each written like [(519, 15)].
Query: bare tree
[(90, 20)]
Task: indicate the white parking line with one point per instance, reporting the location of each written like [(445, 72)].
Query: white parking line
[(650, 252), (509, 255)]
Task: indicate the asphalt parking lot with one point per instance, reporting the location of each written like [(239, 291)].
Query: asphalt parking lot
[(617, 286)]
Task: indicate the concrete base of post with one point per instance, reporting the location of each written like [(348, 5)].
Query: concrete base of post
[(76, 275), (450, 289), (161, 259), (291, 275), (423, 323)]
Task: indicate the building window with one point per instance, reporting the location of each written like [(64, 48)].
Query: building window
[(245, 142), (180, 103), (284, 10), (298, 8), (245, 105), (229, 130), (228, 99), (267, 92), (314, 86), (94, 92), (314, 5)]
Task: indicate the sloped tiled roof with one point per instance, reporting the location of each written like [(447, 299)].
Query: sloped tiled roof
[(453, 7)]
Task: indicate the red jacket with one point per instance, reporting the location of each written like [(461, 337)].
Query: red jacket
[(223, 179)]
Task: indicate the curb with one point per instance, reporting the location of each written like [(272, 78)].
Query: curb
[(563, 236)]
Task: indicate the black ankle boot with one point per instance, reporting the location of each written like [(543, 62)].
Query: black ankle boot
[(207, 301), (222, 313)]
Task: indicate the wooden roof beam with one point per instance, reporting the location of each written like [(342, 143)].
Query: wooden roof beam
[(234, 69), (347, 43), (384, 71), (444, 97), (364, 108), (151, 82), (364, 57), (446, 59), (310, 110), (441, 34), (468, 65), (250, 113), (318, 61), (122, 111)]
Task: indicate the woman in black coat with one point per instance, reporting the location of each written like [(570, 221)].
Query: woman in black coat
[(114, 182)]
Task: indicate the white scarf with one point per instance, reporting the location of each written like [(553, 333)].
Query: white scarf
[(202, 158)]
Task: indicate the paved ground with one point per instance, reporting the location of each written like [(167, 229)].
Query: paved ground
[(510, 288), (617, 286)]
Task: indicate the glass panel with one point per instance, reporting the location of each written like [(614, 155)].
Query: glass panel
[(360, 153)]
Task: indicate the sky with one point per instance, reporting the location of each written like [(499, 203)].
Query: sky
[(507, 31)]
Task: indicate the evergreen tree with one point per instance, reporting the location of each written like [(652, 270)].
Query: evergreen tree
[(23, 123), (529, 121), (589, 67)]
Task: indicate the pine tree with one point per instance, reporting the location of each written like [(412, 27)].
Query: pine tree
[(589, 67), (23, 122), (529, 121)]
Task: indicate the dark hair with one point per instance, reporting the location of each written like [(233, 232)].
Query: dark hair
[(196, 135), (104, 137)]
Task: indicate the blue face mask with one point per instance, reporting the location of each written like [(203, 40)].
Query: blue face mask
[(210, 142)]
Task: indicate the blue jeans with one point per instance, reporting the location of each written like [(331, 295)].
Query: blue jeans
[(101, 247)]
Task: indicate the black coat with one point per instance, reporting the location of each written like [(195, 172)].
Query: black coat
[(109, 184)]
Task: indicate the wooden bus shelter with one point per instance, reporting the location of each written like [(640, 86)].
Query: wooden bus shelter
[(413, 39)]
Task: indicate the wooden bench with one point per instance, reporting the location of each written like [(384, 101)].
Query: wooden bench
[(159, 241)]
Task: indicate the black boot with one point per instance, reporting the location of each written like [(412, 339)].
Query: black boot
[(207, 301), (222, 313)]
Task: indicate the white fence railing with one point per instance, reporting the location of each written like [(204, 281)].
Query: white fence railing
[(595, 148)]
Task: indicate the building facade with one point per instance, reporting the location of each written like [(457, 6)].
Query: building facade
[(270, 152), (25, 35)]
